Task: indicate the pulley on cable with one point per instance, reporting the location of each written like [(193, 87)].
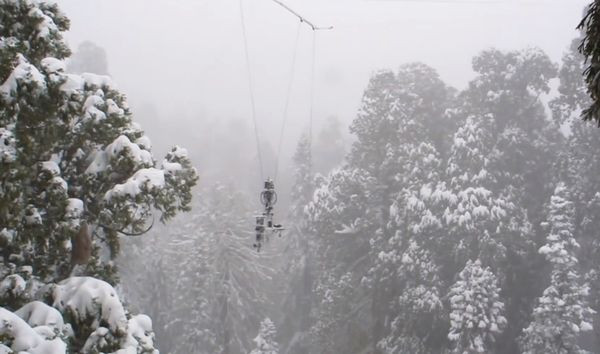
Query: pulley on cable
[(265, 225)]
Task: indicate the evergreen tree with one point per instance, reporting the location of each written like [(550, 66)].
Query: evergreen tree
[(340, 214), (374, 126), (476, 317), (215, 287), (520, 145), (166, 275), (240, 274), (342, 220), (265, 341), (562, 311), (580, 167), (409, 135), (406, 263), (335, 296), (572, 98), (523, 142), (76, 173), (479, 222), (399, 127), (299, 254), (396, 221), (588, 47), (419, 307), (391, 107), (83, 314), (73, 145)]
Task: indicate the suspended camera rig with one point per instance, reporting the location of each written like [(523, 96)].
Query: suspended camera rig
[(264, 222), (265, 226)]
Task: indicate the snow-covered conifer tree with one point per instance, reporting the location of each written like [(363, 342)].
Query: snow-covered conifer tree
[(214, 286), (521, 146), (476, 312), (419, 307), (239, 274), (415, 127), (71, 140), (80, 314), (76, 173), (341, 219), (508, 87), (339, 213), (480, 223), (399, 127), (580, 168), (299, 255), (373, 127), (562, 312), (407, 261), (265, 340), (335, 296), (152, 276)]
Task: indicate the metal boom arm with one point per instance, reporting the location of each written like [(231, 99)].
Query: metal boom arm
[(302, 18)]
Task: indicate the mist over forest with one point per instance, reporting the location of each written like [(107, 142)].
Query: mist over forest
[(300, 177)]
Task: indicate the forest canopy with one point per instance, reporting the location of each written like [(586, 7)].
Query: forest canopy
[(446, 220)]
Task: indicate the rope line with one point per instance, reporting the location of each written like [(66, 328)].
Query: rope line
[(289, 87), (251, 89), (287, 99), (312, 89)]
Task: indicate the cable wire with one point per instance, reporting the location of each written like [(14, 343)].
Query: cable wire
[(287, 100), (251, 89), (312, 89)]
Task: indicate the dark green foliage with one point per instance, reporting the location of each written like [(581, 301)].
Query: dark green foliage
[(71, 153), (72, 157), (73, 166), (590, 48)]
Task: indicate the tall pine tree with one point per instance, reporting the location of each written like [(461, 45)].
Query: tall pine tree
[(477, 314), (265, 340), (562, 312)]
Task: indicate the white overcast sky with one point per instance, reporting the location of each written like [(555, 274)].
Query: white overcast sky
[(186, 56)]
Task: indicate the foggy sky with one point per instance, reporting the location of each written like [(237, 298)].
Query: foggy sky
[(185, 57)]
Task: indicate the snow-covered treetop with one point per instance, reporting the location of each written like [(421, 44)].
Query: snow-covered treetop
[(468, 163), (561, 243), (265, 341), (341, 199), (34, 28), (525, 69), (399, 110)]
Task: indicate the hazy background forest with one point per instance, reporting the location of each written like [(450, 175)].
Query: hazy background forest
[(445, 200), (198, 278)]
